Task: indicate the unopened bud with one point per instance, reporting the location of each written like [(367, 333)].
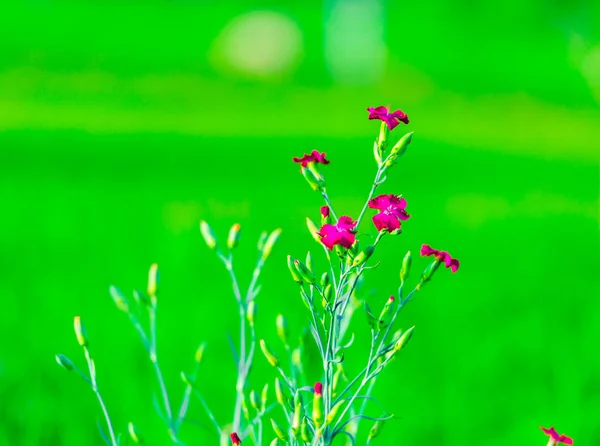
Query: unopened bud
[(363, 256), (333, 412), (297, 358), (279, 392), (80, 333), (405, 269), (271, 240), (251, 312), (308, 262), (429, 272), (376, 429), (133, 433), (401, 146), (271, 358), (119, 299), (317, 412), (65, 362), (235, 439), (153, 280), (278, 431), (305, 432), (400, 343), (294, 270), (199, 353), (328, 293), (282, 328), (386, 309), (324, 279), (296, 420), (305, 272), (264, 395), (314, 231), (254, 401), (234, 236), (208, 235)]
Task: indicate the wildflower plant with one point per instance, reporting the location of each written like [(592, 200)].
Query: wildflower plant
[(296, 411)]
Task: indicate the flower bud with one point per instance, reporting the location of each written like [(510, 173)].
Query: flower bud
[(376, 429), (271, 358), (65, 362), (405, 269), (278, 431), (400, 343), (305, 432), (208, 235), (245, 410), (235, 439), (386, 309), (333, 412), (282, 328), (296, 420), (308, 262), (297, 359), (254, 401), (234, 236), (133, 433), (294, 270), (264, 395), (401, 146), (324, 279), (279, 392), (199, 353), (251, 312), (305, 272), (317, 412), (271, 240), (325, 215), (363, 256), (428, 273), (80, 332), (312, 228), (119, 299), (328, 293), (153, 280)]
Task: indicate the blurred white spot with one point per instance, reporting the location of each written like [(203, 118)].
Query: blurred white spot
[(355, 47), (260, 43)]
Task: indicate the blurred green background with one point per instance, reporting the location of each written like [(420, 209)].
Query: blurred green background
[(124, 124)]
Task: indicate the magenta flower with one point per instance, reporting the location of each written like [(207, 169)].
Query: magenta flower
[(391, 209), (557, 438), (391, 119), (318, 389), (314, 157), (342, 233), (325, 211), (443, 256)]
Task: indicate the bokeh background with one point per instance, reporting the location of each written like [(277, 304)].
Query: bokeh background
[(124, 124)]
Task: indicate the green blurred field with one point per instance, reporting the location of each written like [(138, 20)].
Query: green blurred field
[(121, 128)]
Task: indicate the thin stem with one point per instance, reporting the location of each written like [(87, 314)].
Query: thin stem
[(208, 411), (328, 202)]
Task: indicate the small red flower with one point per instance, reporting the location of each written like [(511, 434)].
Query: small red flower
[(325, 211), (235, 440), (391, 209), (314, 157), (342, 233), (557, 438), (391, 119), (318, 389), (443, 256)]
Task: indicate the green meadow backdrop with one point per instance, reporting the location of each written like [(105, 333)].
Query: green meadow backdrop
[(122, 125)]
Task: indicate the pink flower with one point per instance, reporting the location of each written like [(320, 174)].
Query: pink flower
[(314, 157), (342, 233), (235, 440), (557, 438), (443, 256), (325, 211), (318, 389), (392, 211), (383, 114)]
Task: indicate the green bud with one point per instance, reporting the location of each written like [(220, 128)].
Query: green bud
[(119, 299), (261, 240), (279, 392), (363, 256), (324, 279), (152, 280), (294, 270), (386, 309), (80, 332), (309, 264), (65, 362), (245, 410), (282, 329), (199, 353), (278, 431), (305, 432), (254, 401), (264, 395), (429, 272), (401, 146), (133, 433), (334, 411), (312, 228), (271, 358), (317, 412), (370, 317), (271, 240), (376, 429), (234, 236), (400, 343), (251, 312), (208, 235), (311, 179), (337, 376), (296, 420), (305, 272), (405, 269), (297, 359), (328, 293)]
